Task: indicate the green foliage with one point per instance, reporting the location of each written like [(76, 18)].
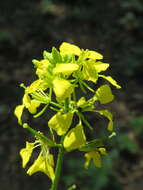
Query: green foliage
[(137, 124), (136, 5), (97, 178), (104, 177), (125, 143), (45, 5)]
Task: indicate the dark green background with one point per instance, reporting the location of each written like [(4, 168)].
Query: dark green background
[(115, 29)]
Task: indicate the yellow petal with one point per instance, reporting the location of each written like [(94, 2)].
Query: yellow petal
[(109, 116), (81, 102), (61, 122), (25, 153), (75, 138), (26, 100), (99, 66), (67, 48), (42, 68), (87, 161), (31, 105), (111, 80), (89, 72), (18, 113), (94, 55), (66, 69), (36, 85), (104, 94), (96, 159), (34, 104), (102, 151), (41, 164), (62, 88)]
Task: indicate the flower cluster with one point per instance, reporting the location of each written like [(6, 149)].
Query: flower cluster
[(59, 75)]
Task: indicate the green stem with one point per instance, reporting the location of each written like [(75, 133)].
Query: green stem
[(58, 169), (41, 136), (66, 106), (74, 95), (81, 116), (41, 112), (60, 155)]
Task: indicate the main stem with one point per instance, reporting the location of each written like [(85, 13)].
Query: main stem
[(60, 155), (58, 168)]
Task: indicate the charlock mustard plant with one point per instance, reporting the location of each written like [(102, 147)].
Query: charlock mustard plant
[(59, 75)]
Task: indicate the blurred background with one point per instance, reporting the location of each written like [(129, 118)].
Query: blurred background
[(115, 29)]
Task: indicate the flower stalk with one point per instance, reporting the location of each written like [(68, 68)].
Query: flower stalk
[(58, 168), (64, 77)]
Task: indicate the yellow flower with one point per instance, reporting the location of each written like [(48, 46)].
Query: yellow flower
[(96, 159), (62, 88), (91, 68), (74, 138), (42, 68), (89, 72), (61, 122), (25, 153), (31, 105), (67, 48), (104, 94), (43, 164), (36, 85), (95, 155), (34, 104)]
